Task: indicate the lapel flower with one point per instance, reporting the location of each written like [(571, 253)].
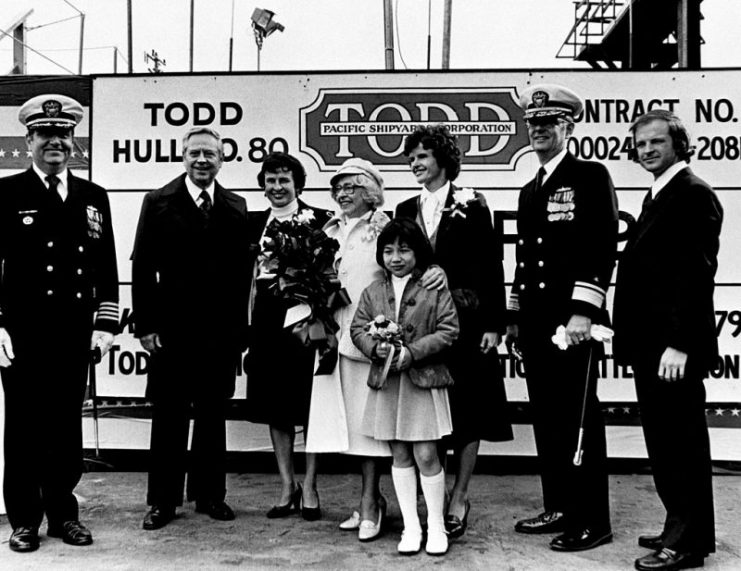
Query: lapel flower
[(375, 224), (304, 216), (462, 198)]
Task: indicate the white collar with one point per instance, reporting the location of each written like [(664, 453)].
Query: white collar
[(440, 195), (195, 191), (284, 212), (665, 177), (553, 163), (62, 176)]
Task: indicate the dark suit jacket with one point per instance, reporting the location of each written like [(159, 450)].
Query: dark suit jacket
[(190, 274), (665, 282), (56, 257), (467, 248), (566, 246)]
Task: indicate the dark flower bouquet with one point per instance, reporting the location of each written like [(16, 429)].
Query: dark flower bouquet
[(300, 257)]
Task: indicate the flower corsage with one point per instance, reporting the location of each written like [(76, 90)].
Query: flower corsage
[(376, 223), (462, 199)]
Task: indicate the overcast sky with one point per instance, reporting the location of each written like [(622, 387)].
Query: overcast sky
[(319, 34)]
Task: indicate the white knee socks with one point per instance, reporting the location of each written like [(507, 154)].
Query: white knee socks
[(433, 488), (405, 484)]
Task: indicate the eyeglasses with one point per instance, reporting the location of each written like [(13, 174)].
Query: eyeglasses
[(348, 189)]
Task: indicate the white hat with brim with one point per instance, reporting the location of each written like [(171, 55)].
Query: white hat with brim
[(50, 110), (548, 100), (357, 166)]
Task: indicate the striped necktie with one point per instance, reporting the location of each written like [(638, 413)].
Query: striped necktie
[(206, 203)]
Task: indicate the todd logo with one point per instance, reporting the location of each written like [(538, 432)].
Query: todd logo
[(372, 123)]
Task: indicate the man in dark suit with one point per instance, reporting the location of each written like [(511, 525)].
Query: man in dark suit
[(567, 223), (58, 301), (190, 288), (665, 329), (457, 221)]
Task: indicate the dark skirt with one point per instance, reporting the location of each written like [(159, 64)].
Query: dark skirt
[(478, 400), (279, 367)]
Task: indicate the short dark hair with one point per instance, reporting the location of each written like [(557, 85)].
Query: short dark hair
[(444, 147), (680, 135), (276, 162), (406, 231)]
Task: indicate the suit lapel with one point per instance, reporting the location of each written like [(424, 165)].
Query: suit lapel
[(656, 208)]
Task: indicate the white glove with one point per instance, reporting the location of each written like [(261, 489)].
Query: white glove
[(102, 339), (598, 332), (6, 348)]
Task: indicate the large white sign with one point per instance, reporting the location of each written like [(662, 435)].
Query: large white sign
[(138, 122)]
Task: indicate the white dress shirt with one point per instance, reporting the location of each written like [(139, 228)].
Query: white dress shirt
[(62, 176), (664, 178), (431, 205), (195, 191)]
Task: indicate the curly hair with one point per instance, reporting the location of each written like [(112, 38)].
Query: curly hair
[(443, 145), (408, 232), (680, 135), (276, 162)]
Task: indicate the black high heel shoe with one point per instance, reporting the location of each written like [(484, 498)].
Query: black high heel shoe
[(311, 514), (292, 507), (456, 526)]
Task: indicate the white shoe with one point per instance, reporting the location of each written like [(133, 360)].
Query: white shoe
[(411, 542), (370, 530), (352, 523), (437, 542)]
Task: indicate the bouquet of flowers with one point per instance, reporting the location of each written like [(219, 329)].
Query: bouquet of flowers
[(300, 258), (386, 331)]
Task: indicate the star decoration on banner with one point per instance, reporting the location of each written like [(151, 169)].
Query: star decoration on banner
[(16, 153), (626, 409), (29, 154), (610, 410), (719, 411), (2, 153), (735, 412), (85, 154), (73, 154)]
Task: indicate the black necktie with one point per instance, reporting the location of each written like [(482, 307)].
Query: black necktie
[(648, 199), (206, 203), (54, 181), (539, 179)]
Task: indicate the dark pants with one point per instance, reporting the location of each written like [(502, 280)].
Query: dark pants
[(197, 386), (44, 391), (676, 433), (555, 382)]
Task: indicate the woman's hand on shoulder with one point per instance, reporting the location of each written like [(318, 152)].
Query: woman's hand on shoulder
[(434, 278)]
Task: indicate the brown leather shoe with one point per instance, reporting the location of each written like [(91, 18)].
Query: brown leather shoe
[(668, 559), (547, 522), (157, 517), (217, 510), (72, 532), (24, 539), (582, 540), (653, 542)]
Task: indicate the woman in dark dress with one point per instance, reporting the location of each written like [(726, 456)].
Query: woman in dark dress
[(279, 367), (458, 224)]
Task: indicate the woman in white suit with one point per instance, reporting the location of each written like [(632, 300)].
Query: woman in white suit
[(338, 399)]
